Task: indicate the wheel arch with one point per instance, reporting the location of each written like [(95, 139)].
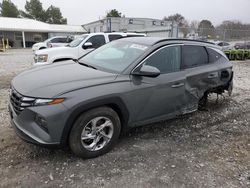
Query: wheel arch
[(115, 103), (62, 59), (42, 47)]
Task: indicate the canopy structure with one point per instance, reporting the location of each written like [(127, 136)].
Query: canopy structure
[(28, 25)]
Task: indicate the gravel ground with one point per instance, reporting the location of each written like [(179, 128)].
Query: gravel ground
[(203, 149)]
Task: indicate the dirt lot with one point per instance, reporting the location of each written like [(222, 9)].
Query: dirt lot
[(204, 149)]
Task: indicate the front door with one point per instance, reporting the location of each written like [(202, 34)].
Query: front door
[(164, 95)]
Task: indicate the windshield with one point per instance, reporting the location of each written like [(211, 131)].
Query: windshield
[(77, 41), (115, 56)]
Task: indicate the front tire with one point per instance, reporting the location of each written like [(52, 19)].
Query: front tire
[(95, 132)]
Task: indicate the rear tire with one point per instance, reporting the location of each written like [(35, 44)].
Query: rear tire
[(95, 132)]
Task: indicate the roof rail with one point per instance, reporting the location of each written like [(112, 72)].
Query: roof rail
[(177, 39)]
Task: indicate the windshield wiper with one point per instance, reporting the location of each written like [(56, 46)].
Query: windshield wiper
[(84, 64)]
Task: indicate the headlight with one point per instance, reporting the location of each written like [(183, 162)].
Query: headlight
[(42, 58), (39, 102)]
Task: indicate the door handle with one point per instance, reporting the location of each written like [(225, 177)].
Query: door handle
[(177, 85), (215, 75)]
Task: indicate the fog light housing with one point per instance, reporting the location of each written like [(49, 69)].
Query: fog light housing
[(41, 121)]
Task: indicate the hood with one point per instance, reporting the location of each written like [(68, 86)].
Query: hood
[(51, 50), (38, 43), (55, 79)]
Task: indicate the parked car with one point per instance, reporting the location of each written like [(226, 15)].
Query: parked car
[(224, 45), (78, 47), (242, 45), (53, 42), (130, 82)]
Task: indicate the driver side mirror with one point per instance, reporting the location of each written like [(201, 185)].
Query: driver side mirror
[(148, 71), (87, 45)]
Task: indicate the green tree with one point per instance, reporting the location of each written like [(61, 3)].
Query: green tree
[(55, 16), (178, 18), (9, 9), (232, 29), (206, 28), (113, 13), (34, 10), (206, 24)]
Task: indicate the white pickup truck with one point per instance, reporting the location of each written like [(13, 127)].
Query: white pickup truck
[(78, 47)]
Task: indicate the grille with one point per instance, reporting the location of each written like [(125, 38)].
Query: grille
[(20, 102)]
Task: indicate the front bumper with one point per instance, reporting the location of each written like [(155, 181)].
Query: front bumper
[(28, 130), (39, 63)]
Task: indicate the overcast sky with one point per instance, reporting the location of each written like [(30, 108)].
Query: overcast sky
[(84, 11)]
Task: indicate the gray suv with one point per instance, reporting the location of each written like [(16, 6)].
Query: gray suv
[(87, 103)]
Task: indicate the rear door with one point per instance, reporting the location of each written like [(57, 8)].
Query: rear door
[(200, 74)]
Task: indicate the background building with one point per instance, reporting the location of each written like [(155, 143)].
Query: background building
[(150, 26), (23, 32)]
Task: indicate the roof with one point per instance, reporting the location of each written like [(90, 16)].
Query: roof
[(154, 29), (124, 18), (25, 24), (150, 41)]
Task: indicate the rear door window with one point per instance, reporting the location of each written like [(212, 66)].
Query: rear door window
[(55, 40), (193, 56), (59, 40), (62, 40), (167, 59), (114, 37), (131, 35)]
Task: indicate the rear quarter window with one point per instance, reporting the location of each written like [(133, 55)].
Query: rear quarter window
[(213, 56)]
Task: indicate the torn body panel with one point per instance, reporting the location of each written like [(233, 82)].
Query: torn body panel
[(199, 80)]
